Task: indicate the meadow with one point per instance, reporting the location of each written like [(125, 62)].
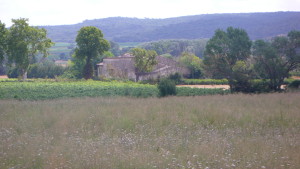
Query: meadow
[(219, 131)]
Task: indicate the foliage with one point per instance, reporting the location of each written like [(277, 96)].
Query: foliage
[(46, 69), (177, 47), (294, 84), (115, 48), (166, 87), (144, 60), (24, 43), (226, 49), (275, 60), (205, 81), (3, 35), (75, 69), (176, 77), (91, 44), (192, 62)]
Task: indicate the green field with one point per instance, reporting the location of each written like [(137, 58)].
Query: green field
[(231, 131), (51, 89), (60, 48), (129, 44)]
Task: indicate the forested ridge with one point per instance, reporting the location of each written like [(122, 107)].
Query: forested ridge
[(121, 29)]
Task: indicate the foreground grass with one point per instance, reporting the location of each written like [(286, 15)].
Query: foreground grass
[(232, 131)]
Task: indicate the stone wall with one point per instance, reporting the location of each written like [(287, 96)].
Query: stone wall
[(123, 68)]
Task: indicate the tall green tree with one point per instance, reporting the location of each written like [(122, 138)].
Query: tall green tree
[(24, 43), (274, 60), (91, 45), (224, 50), (193, 62), (144, 60), (3, 35)]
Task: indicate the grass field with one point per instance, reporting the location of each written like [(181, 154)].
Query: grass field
[(231, 131)]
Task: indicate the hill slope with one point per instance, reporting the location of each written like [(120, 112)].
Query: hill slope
[(119, 29)]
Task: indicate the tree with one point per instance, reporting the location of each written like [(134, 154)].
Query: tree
[(274, 60), (3, 34), (166, 87), (224, 50), (91, 45), (193, 62), (24, 43), (144, 60)]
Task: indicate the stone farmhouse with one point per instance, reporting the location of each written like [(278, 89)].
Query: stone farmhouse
[(123, 67)]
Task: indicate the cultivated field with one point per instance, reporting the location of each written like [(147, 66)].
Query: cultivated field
[(230, 131), (42, 89)]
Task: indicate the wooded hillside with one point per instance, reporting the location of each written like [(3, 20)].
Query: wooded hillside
[(119, 29)]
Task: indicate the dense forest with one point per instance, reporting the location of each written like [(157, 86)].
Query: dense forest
[(120, 29)]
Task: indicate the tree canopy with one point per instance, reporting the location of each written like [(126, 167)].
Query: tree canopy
[(144, 60), (91, 45), (3, 34), (274, 60), (224, 50), (193, 62), (24, 43)]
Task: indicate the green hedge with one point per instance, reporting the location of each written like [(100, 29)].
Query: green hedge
[(221, 81)]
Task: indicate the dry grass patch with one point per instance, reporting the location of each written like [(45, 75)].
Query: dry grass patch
[(232, 131)]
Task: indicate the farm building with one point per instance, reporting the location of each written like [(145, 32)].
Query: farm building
[(123, 67)]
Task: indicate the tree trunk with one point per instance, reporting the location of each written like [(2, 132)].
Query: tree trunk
[(231, 85), (88, 70), (137, 77), (24, 74)]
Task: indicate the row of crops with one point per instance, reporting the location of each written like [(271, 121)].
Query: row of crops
[(41, 90)]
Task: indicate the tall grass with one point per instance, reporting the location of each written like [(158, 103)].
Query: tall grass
[(231, 131)]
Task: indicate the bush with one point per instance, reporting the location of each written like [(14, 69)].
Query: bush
[(176, 78), (166, 87), (46, 69), (205, 81), (295, 84)]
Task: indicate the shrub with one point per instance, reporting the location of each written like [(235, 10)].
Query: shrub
[(46, 69), (176, 78), (166, 87), (295, 84)]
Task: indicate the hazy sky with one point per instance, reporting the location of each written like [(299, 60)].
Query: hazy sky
[(58, 12)]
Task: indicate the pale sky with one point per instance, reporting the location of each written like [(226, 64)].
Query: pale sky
[(63, 12)]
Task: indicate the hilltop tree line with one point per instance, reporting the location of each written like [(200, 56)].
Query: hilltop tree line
[(228, 54), (120, 29)]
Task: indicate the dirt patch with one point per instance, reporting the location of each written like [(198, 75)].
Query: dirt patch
[(3, 77), (296, 77), (206, 86), (214, 86)]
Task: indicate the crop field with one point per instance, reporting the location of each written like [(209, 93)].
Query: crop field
[(229, 131), (43, 89), (59, 48)]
